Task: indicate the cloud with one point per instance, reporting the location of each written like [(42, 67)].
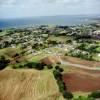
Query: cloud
[(6, 2), (21, 8), (39, 2), (63, 1)]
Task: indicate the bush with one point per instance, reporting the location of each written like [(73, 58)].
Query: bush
[(57, 75), (83, 98), (3, 62), (21, 66), (67, 95), (1, 30), (29, 65), (59, 63), (61, 85), (49, 66), (95, 94), (16, 55), (59, 69), (39, 66)]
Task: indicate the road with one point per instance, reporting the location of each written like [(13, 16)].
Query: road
[(78, 65)]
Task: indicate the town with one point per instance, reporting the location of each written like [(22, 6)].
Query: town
[(80, 41), (71, 54)]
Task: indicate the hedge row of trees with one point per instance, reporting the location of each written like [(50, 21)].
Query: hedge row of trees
[(38, 66), (62, 87), (57, 72)]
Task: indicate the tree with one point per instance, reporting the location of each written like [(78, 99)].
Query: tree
[(83, 98), (57, 75), (0, 30), (69, 41), (40, 66), (3, 62), (67, 95), (59, 69), (62, 86), (29, 65), (95, 94), (49, 66)]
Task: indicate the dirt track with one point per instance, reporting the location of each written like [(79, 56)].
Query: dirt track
[(79, 61), (72, 61), (84, 75)]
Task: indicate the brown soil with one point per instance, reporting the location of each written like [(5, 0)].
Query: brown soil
[(50, 60), (77, 81), (54, 59)]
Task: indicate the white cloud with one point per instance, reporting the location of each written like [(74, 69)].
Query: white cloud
[(21, 8), (29, 2)]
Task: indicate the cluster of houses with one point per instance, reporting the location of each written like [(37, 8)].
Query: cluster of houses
[(38, 35)]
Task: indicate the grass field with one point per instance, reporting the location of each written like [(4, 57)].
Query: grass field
[(59, 39), (28, 85)]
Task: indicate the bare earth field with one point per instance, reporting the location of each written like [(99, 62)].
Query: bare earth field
[(82, 80), (75, 60), (50, 60), (25, 84), (30, 84), (79, 78)]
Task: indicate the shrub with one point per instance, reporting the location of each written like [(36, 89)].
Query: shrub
[(57, 75), (62, 86), (95, 94), (3, 62), (29, 65), (49, 66), (67, 95), (59, 69), (59, 63), (83, 98), (1, 30), (21, 66), (39, 66), (16, 55)]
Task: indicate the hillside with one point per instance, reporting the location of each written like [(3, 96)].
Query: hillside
[(28, 84), (51, 60)]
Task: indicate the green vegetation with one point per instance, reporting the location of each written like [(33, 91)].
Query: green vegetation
[(62, 87), (24, 48), (86, 51), (3, 62), (95, 95)]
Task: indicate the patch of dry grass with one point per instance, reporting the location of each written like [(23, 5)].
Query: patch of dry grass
[(26, 84)]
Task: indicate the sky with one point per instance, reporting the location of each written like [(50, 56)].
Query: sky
[(32, 8)]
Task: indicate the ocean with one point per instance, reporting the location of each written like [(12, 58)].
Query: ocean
[(46, 20)]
